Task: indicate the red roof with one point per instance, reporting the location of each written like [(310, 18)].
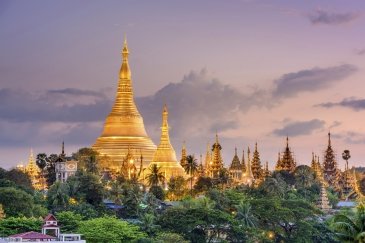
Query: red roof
[(32, 236), (50, 217)]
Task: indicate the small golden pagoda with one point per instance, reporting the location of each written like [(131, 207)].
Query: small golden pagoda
[(124, 125), (266, 171), (256, 166), (217, 161), (183, 155), (323, 202), (208, 160), (235, 169), (247, 177), (34, 172), (165, 156), (286, 162)]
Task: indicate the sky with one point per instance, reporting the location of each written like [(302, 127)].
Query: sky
[(252, 70)]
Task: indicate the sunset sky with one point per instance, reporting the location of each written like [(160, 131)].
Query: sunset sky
[(251, 70)]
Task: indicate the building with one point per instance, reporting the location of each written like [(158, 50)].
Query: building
[(235, 169), (216, 164), (165, 156), (35, 174), (286, 162), (330, 171), (323, 202), (50, 233), (247, 177), (256, 166), (124, 125), (65, 167)]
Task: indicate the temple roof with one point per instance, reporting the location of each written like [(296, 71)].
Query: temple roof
[(32, 236), (236, 164)]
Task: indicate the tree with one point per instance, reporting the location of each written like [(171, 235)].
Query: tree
[(131, 199), (148, 224), (68, 221), (21, 179), (16, 202), (42, 161), (115, 192), (304, 176), (245, 215), (273, 187), (91, 165), (51, 169), (191, 167), (223, 177), (155, 176), (203, 184), (176, 186), (11, 226), (109, 230), (90, 189), (58, 196), (158, 192), (350, 229), (168, 237)]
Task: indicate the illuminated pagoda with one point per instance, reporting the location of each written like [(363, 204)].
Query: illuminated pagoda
[(247, 177), (235, 169), (34, 172), (256, 165), (266, 172), (316, 167), (286, 162), (183, 155), (165, 156), (208, 160), (217, 162), (201, 170), (243, 163), (323, 202), (330, 171), (124, 125)]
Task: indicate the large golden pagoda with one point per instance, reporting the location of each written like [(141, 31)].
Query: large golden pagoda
[(124, 126), (165, 156)]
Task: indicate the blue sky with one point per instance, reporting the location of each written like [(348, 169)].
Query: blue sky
[(252, 70)]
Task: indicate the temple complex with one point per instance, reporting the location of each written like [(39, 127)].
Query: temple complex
[(124, 127), (165, 156), (286, 162)]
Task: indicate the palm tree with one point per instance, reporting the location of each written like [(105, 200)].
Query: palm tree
[(191, 167), (42, 161), (304, 176), (245, 215), (58, 195), (351, 229), (115, 192), (148, 224), (155, 177)]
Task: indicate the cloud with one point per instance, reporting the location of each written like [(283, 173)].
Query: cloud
[(360, 52), (300, 128), (352, 103), (291, 84), (199, 104), (351, 137), (331, 18), (53, 106)]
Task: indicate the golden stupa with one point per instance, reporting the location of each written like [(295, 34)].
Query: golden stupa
[(165, 156), (124, 127)]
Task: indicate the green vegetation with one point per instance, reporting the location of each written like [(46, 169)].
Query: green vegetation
[(280, 209)]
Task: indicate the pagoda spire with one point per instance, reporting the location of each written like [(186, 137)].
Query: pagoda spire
[(165, 156), (183, 155), (329, 139), (217, 162), (208, 159), (248, 178), (235, 169), (256, 165), (243, 164)]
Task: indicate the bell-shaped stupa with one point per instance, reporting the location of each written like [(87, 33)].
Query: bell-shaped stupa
[(124, 126)]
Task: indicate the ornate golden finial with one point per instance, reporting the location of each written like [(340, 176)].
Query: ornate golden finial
[(235, 151), (329, 139), (287, 141), (216, 137), (125, 72), (248, 153), (256, 146)]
